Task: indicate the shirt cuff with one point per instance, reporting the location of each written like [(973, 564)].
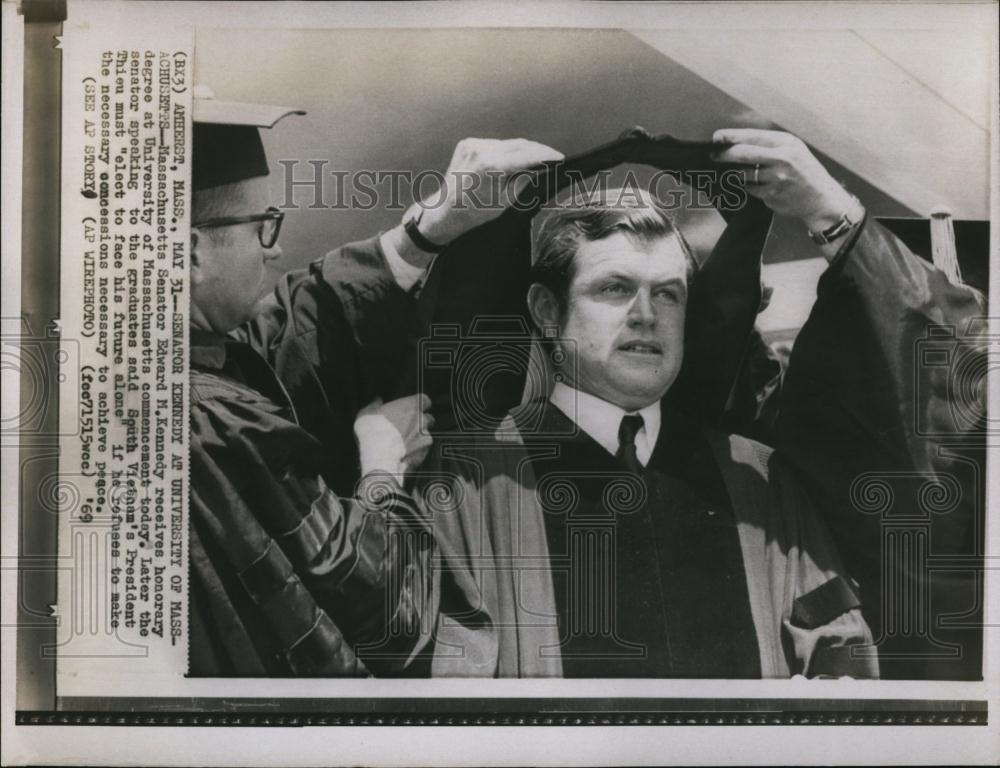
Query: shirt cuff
[(405, 274)]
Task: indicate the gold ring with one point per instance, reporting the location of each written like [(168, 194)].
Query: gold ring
[(756, 173)]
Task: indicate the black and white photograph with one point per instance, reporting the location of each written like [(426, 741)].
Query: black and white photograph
[(381, 377)]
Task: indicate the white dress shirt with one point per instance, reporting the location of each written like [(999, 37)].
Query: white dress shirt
[(601, 420)]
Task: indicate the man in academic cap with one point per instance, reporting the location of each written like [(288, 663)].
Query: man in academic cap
[(308, 557)]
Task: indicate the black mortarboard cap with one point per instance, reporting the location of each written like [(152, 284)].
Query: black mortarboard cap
[(227, 143)]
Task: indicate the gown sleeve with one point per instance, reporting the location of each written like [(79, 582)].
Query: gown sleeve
[(882, 412), (337, 335), (294, 572), (861, 390)]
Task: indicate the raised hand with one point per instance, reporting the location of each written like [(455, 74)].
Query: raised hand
[(482, 167), (786, 176)]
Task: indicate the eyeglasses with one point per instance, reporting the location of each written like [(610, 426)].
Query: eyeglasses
[(267, 233)]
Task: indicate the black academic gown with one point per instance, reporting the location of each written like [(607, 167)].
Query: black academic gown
[(651, 589), (296, 570), (882, 409), (556, 560)]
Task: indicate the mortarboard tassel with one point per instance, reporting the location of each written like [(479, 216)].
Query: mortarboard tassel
[(943, 251)]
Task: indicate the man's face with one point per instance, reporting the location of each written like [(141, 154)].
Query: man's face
[(625, 317), (230, 274)]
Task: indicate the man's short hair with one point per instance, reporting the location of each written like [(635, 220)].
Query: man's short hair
[(215, 202), (632, 211)]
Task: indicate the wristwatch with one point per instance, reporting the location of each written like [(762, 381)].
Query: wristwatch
[(844, 224), (411, 228)]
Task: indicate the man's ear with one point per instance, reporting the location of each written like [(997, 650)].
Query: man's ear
[(545, 309)]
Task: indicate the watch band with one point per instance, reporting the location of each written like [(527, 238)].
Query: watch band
[(843, 225), (413, 232)]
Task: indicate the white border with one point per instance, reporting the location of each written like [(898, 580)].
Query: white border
[(500, 745), (11, 156)]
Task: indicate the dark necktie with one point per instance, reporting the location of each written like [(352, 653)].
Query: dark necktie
[(630, 426)]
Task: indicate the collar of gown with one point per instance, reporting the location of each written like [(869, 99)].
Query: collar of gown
[(601, 419), (208, 350)]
